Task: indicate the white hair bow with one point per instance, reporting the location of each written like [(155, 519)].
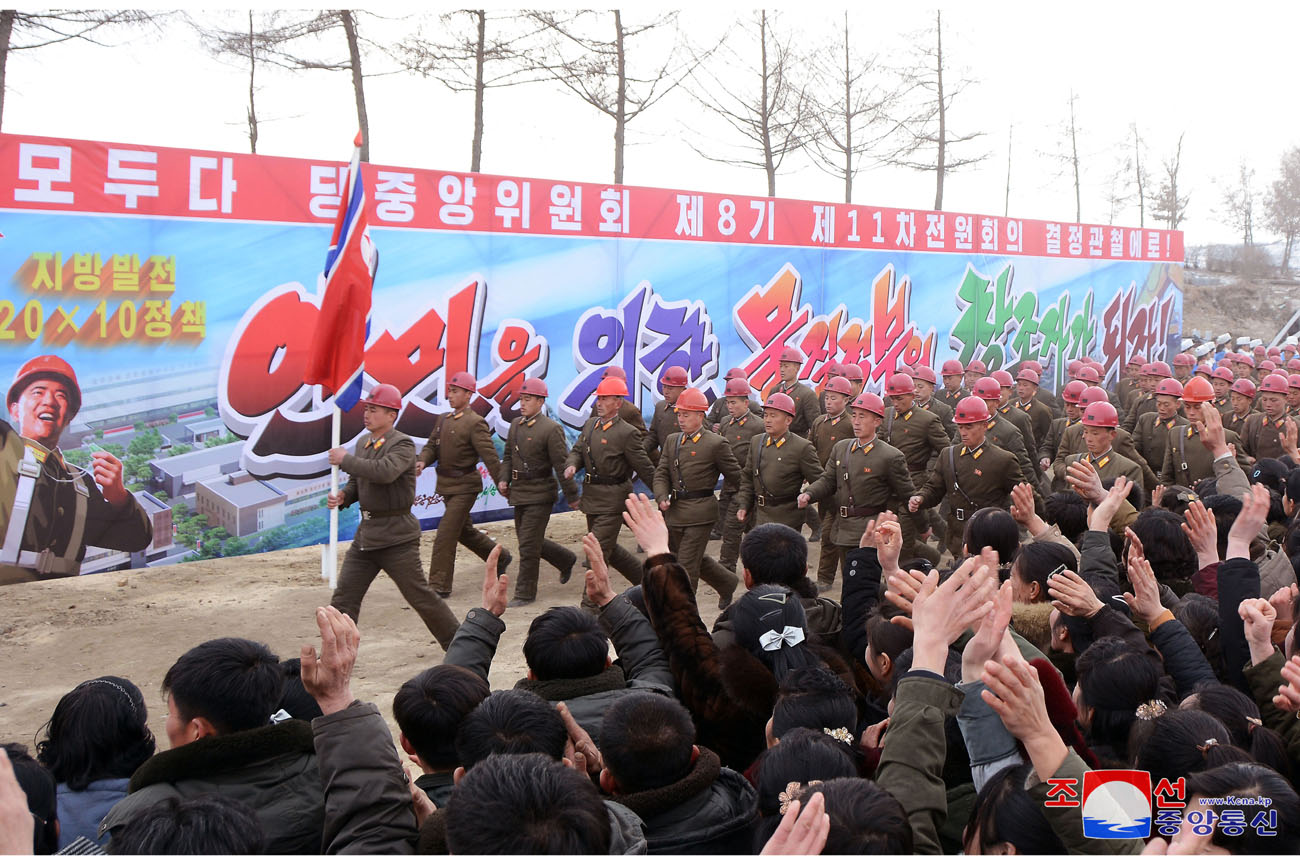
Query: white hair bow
[(790, 635)]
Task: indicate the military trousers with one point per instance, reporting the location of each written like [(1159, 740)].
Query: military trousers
[(401, 562), (530, 527), (689, 543), (455, 527), (732, 530), (606, 528), (831, 553)]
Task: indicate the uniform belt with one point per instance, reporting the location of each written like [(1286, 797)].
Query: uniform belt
[(530, 474), (457, 473), (608, 480), (857, 511), (772, 501), (385, 512), (689, 494)]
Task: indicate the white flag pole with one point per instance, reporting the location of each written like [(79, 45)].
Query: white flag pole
[(331, 565)]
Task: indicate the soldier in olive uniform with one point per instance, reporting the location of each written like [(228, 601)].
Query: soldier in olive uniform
[(919, 434), (1154, 430), (459, 441), (1144, 399), (1264, 433), (664, 421), (1242, 397), (535, 453), (1007, 409), (1128, 383), (925, 383), (1002, 432), (382, 479), (627, 410), (1072, 442), (853, 372), (1188, 459), (1099, 423), (1047, 449), (718, 412), (954, 388), (1221, 380), (805, 398), (779, 463), (683, 486), (1029, 401), (610, 450), (828, 430), (739, 429), (975, 371), (864, 474), (972, 475)]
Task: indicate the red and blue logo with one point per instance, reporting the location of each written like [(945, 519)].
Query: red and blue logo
[(1116, 804)]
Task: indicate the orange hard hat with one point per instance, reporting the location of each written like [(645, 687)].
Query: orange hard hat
[(870, 402), (970, 410), (834, 369), (780, 402), (1293, 381), (1223, 373), (1182, 359), (691, 400), (839, 385), (611, 386), (534, 387), (900, 384), (463, 380), (47, 367), (386, 396), (674, 376), (1100, 414), (1198, 390)]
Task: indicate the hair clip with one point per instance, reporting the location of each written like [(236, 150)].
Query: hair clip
[(841, 734), (124, 692), (792, 791), (1207, 745), (1151, 710)]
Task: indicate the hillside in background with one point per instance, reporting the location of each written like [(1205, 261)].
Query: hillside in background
[(1254, 307)]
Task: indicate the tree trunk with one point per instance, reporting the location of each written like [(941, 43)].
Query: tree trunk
[(476, 148), (939, 159), (6, 31), (620, 109), (1142, 197), (354, 53), (1286, 255), (1006, 202), (252, 106), (848, 118), (1074, 160), (766, 118)]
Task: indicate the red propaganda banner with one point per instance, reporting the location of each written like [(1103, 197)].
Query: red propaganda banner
[(102, 178)]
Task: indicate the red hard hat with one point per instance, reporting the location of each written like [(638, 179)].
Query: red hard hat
[(1070, 393), (533, 386), (674, 376), (1290, 347), (834, 369), (1198, 391), (871, 402), (925, 374), (1260, 351), (736, 387), (1088, 374), (692, 400), (1274, 383), (970, 410), (1182, 359), (780, 402), (1222, 373), (1161, 369), (839, 385), (1243, 358), (853, 373), (1087, 359), (1244, 387), (1027, 375), (790, 353), (1170, 388), (1267, 366), (951, 367), (386, 396), (611, 386), (1274, 350), (1137, 358), (1073, 366), (1092, 394), (1204, 370), (904, 368), (1004, 378), (899, 384), (47, 367), (1096, 365), (463, 380), (1147, 370), (1293, 381), (1100, 414), (987, 388), (614, 373), (976, 366), (1032, 365), (734, 373), (1293, 364)]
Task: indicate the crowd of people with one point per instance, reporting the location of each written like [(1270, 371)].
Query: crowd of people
[(1033, 586)]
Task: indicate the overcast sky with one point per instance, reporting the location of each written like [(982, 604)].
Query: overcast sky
[(1222, 74)]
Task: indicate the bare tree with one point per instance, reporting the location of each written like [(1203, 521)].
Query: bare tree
[(21, 30), (1006, 202), (1116, 193), (1239, 205), (1167, 205), (765, 104), (596, 69), (929, 140), (848, 110), (1074, 161), (1139, 174), (475, 51), (1282, 204)]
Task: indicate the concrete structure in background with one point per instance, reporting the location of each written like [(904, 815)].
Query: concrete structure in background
[(240, 503), (160, 517), (204, 429), (177, 476)]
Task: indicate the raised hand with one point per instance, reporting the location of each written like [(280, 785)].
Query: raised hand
[(1158, 495), (941, 612), (1258, 616), (598, 588), (494, 584), (1083, 477), (1288, 695), (1071, 594), (989, 636), (1203, 531), (1016, 695), (328, 678), (803, 829), (1249, 522), (1022, 508), (1144, 600), (1212, 435), (889, 544), (1101, 514), (642, 516), (579, 747), (903, 587)]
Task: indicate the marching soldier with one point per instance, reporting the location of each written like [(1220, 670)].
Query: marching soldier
[(1265, 431), (864, 474), (739, 428), (1221, 380), (1144, 400), (1183, 364), (805, 398), (1029, 401), (1128, 383), (1072, 442), (1002, 432), (1244, 366), (1154, 430), (925, 383), (856, 378), (1070, 397), (832, 370), (382, 479), (1187, 461), (827, 430), (1007, 409), (920, 436), (779, 463), (664, 421), (458, 442), (535, 454), (718, 411), (683, 486), (610, 449), (1099, 422), (627, 410), (1242, 396), (975, 371), (972, 475), (1293, 395), (953, 388)]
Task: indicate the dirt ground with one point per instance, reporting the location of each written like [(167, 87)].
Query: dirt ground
[(55, 634)]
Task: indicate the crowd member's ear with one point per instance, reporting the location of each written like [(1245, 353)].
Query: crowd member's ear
[(531, 675), (749, 578), (886, 665), (406, 745), (457, 774), (607, 783), (767, 732), (608, 661)]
